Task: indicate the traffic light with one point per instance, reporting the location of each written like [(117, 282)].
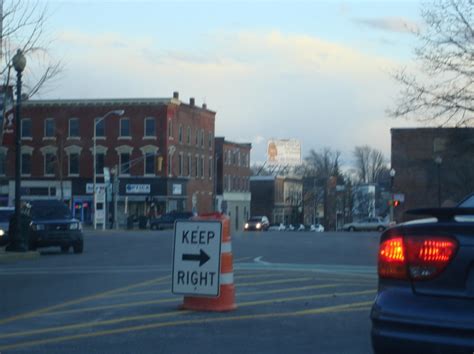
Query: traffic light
[(396, 203)]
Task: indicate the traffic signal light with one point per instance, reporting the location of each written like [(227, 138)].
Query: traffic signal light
[(393, 203)]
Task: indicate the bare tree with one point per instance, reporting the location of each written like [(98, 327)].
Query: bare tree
[(23, 26), (322, 168), (443, 92), (369, 163)]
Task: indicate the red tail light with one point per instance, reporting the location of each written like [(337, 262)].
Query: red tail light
[(417, 258)]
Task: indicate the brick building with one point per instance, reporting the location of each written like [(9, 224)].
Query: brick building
[(434, 166), (277, 197), (162, 149), (233, 181)]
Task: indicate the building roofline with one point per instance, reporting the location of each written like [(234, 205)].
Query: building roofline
[(100, 101), (432, 128), (249, 145)]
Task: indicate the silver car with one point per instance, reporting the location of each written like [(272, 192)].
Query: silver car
[(367, 224)]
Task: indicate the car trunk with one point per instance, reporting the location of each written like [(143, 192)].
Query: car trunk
[(457, 279)]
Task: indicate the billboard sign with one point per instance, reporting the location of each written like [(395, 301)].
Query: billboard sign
[(284, 152)]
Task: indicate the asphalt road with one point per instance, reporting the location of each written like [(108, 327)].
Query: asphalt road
[(297, 292)]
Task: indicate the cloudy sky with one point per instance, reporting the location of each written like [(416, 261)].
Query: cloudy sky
[(316, 71)]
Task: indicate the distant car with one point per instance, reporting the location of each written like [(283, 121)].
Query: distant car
[(289, 227), (426, 284), (276, 227), (50, 223), (6, 214), (302, 227), (317, 228), (166, 221), (367, 224), (257, 223)]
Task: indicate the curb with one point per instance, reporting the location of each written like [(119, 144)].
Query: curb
[(9, 257)]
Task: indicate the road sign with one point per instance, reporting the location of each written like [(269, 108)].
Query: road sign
[(197, 258)]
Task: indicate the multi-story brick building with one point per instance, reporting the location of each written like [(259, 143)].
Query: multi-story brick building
[(162, 148), (434, 166), (233, 181)]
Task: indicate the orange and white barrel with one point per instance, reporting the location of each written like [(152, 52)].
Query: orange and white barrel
[(226, 299)]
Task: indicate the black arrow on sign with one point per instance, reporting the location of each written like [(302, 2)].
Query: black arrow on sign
[(202, 257)]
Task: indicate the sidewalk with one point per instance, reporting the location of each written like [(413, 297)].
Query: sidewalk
[(10, 257)]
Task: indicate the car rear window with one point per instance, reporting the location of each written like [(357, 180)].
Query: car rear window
[(50, 212)]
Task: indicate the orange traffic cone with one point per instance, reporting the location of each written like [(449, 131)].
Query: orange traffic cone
[(226, 299)]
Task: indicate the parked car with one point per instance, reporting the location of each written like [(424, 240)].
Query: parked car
[(167, 221), (317, 228), (276, 227), (258, 223), (426, 284), (367, 224), (6, 214), (50, 223)]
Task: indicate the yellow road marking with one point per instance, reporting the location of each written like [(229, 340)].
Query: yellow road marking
[(322, 310), (287, 290), (116, 306), (175, 299), (307, 297), (82, 299), (166, 314), (280, 281)]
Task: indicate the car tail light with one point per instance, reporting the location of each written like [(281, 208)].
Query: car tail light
[(417, 258)]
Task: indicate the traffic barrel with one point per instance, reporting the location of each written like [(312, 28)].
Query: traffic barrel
[(226, 299)]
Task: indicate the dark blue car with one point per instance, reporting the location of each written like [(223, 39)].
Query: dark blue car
[(425, 300)]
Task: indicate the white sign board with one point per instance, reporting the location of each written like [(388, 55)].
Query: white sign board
[(90, 187), (197, 258), (177, 189), (137, 188), (284, 152)]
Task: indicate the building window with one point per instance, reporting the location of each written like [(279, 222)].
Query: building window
[(180, 134), (73, 164), (188, 136), (210, 141), (197, 137), (190, 165), (238, 158), (125, 163), (150, 164), (125, 127), (150, 127), (202, 166), (229, 162), (170, 128), (170, 164), (99, 163), (26, 128), (99, 127), (202, 137), (49, 161), (49, 128), (197, 166), (3, 156), (210, 168), (74, 128), (25, 164), (229, 183), (180, 164), (225, 183)]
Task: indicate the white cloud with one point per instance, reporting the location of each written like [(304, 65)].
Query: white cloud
[(263, 84), (391, 24)]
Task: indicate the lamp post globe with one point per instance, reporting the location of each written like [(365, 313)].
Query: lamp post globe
[(19, 61)]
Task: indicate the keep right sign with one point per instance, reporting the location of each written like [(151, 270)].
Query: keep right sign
[(197, 258)]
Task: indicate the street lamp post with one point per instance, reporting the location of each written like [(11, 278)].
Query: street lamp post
[(19, 63), (438, 161), (118, 112), (392, 201)]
